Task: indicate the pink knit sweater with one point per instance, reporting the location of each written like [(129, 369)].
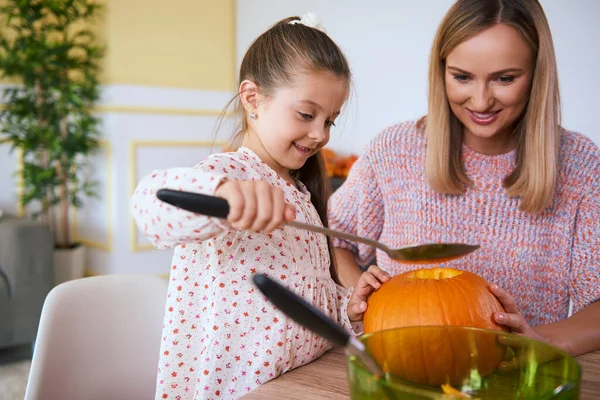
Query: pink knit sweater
[(542, 260)]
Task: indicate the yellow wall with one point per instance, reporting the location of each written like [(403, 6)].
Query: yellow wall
[(177, 43)]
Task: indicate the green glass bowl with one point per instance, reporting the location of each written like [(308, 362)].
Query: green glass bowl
[(481, 363)]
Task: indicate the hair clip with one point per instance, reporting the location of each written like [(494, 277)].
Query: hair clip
[(310, 20)]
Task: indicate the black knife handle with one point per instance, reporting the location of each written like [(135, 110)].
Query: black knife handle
[(195, 202), (300, 310)]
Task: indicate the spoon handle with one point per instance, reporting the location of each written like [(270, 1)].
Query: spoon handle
[(217, 207), (311, 318), (211, 206), (341, 235)]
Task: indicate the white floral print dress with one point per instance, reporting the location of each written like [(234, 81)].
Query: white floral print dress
[(221, 336)]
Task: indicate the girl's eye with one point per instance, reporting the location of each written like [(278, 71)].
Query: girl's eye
[(329, 123), (304, 116), (461, 78), (506, 79)]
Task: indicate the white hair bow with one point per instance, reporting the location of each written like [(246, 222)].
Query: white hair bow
[(310, 20)]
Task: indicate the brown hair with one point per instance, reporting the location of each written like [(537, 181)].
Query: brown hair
[(538, 130), (271, 61)]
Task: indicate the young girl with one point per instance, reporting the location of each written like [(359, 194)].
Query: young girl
[(221, 337)]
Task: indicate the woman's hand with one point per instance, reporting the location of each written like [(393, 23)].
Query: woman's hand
[(255, 205), (512, 318), (516, 323), (369, 281)]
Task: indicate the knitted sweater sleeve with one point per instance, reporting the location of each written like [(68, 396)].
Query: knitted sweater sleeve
[(357, 207), (584, 280)]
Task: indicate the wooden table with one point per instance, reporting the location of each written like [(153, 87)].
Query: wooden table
[(325, 378)]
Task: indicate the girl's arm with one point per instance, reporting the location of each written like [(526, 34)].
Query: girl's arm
[(356, 208), (167, 226), (348, 269), (354, 300)]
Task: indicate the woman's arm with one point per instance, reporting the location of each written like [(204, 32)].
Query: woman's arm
[(581, 332), (576, 335)]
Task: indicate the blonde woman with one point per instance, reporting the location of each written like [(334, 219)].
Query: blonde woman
[(489, 164)]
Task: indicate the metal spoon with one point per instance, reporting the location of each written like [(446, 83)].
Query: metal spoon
[(421, 254)]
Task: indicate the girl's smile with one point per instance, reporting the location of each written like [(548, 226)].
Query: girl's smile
[(294, 122)]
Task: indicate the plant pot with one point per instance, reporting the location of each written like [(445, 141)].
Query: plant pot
[(69, 264)]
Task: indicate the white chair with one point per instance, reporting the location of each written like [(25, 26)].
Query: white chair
[(99, 338)]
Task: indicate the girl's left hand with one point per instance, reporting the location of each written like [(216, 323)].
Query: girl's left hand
[(369, 281)]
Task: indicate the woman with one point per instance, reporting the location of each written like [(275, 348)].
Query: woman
[(489, 164)]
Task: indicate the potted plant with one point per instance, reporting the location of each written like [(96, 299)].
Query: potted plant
[(47, 48)]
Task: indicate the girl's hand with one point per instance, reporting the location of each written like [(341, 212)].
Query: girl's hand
[(369, 281), (255, 205)]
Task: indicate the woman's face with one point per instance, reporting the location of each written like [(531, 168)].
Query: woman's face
[(488, 80)]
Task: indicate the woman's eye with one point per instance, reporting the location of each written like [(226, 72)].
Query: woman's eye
[(461, 78), (305, 116), (506, 79), (329, 123)]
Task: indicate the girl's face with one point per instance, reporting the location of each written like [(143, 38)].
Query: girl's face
[(488, 80), (294, 122)]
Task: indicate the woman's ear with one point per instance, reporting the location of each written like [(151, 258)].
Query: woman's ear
[(249, 95)]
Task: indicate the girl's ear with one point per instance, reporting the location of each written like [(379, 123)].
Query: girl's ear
[(249, 95)]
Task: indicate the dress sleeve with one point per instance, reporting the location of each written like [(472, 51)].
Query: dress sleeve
[(168, 226), (584, 279), (357, 207)]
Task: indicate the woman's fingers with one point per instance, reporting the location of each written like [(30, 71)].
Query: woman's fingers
[(516, 322), (508, 302)]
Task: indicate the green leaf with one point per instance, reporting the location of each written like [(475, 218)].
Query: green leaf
[(48, 117)]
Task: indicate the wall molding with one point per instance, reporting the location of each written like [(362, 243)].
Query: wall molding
[(156, 100), (160, 111), (107, 246), (20, 182), (134, 145)]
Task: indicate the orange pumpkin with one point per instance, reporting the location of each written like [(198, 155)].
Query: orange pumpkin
[(343, 165), (434, 297), (329, 157)]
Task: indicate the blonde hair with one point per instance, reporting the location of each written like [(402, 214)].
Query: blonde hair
[(538, 130)]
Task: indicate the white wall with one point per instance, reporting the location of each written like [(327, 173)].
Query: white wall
[(8, 194), (388, 43), (143, 128)]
